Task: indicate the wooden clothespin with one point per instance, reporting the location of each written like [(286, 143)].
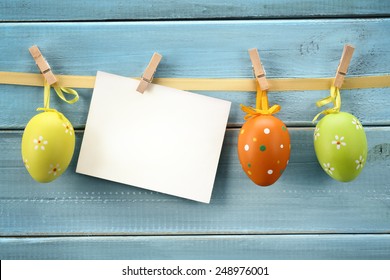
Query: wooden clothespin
[(147, 77), (343, 65), (42, 64), (258, 69)]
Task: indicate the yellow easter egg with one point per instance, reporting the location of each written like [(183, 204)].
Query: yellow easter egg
[(47, 145)]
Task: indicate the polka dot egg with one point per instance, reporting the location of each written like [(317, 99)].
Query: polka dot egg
[(47, 146), (264, 149)]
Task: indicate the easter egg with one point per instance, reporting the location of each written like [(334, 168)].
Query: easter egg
[(264, 149), (341, 146), (47, 145)]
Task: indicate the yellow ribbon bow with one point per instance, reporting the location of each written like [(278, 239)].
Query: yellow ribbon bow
[(262, 107), (334, 98), (59, 90)]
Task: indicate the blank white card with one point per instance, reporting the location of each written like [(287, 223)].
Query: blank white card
[(165, 140)]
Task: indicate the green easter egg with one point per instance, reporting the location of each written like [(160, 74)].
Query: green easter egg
[(47, 146), (341, 146)]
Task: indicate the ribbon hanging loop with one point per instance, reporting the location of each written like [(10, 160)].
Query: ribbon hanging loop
[(262, 107), (335, 98), (60, 92)]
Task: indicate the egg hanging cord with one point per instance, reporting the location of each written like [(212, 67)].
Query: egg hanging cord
[(59, 90), (335, 98), (262, 107)]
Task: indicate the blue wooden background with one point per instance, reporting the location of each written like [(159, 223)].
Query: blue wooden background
[(305, 215)]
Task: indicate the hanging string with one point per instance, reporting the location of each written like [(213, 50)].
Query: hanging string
[(334, 98), (59, 90), (262, 107)]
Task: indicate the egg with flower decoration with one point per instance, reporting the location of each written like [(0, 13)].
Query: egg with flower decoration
[(48, 139), (47, 145), (340, 142), (341, 146)]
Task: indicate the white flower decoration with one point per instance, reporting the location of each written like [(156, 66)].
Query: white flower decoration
[(328, 168), (54, 169), (68, 128), (40, 143), (25, 161), (357, 123), (359, 162), (316, 133), (339, 142)]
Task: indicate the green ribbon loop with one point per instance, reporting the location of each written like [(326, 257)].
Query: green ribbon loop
[(335, 98)]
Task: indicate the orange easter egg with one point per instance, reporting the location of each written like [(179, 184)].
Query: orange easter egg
[(264, 149)]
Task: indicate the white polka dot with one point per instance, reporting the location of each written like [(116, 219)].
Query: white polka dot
[(246, 147), (270, 171), (287, 161), (281, 146), (266, 130)]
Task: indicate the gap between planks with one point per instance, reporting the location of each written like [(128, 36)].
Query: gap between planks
[(227, 234), (344, 16)]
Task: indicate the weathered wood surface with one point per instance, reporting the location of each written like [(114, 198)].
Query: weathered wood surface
[(299, 48), (18, 105), (45, 10), (304, 200), (222, 247), (305, 215)]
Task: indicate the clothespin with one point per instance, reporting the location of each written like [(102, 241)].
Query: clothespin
[(343, 65), (147, 77), (258, 69), (42, 64)]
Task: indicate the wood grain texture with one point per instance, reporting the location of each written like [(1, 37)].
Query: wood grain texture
[(44, 10), (210, 49), (304, 199), (18, 105), (305, 215), (261, 247), (293, 48)]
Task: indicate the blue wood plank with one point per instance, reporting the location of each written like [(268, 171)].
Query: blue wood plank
[(289, 48), (44, 10), (18, 105), (261, 247), (304, 200), (215, 49)]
